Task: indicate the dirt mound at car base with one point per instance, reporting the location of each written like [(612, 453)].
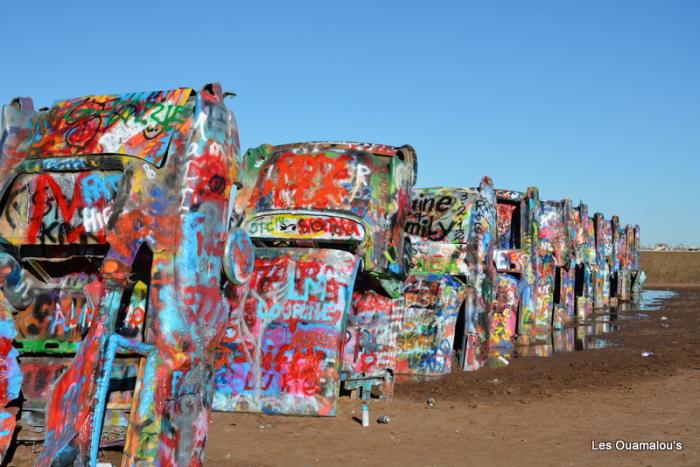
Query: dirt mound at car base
[(671, 268)]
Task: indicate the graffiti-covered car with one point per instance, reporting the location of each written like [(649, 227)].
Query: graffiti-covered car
[(584, 260), (605, 252), (513, 305), (453, 234), (554, 294), (620, 272), (322, 305), (638, 275), (114, 247)]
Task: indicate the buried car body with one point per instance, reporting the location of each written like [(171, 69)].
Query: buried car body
[(114, 241), (326, 219)]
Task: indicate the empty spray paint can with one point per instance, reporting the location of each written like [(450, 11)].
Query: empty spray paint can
[(365, 414), (385, 419)]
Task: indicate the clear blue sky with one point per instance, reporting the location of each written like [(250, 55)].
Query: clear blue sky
[(596, 100)]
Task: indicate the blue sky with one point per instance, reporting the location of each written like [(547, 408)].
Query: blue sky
[(596, 100)]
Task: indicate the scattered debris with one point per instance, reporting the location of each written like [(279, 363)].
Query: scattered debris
[(647, 353)]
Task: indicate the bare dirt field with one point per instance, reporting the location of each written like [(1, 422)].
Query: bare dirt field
[(671, 268), (535, 411)]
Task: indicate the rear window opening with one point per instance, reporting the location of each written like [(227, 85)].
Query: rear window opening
[(67, 271), (460, 338), (580, 275), (613, 284), (558, 271), (509, 225), (131, 318), (350, 247), (49, 262), (368, 283)]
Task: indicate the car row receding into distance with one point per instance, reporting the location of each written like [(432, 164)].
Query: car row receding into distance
[(148, 277)]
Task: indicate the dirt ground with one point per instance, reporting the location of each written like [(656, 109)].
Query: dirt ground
[(535, 411)]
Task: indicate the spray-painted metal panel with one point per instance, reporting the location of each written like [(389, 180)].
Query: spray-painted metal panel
[(370, 346), (281, 352), (137, 124), (503, 317), (432, 304)]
